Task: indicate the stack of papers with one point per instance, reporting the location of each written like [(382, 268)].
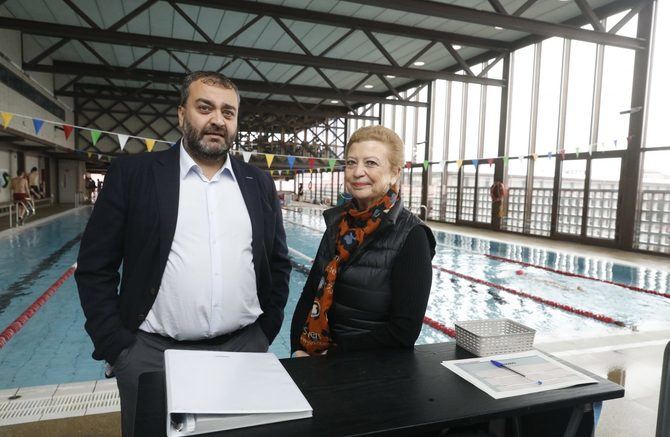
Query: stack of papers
[(215, 391), (521, 373)]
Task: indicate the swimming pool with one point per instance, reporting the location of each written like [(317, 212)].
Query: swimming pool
[(472, 279)]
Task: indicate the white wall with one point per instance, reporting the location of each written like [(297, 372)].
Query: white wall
[(70, 179), (5, 167)]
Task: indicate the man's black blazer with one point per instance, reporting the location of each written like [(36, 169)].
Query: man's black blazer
[(134, 221)]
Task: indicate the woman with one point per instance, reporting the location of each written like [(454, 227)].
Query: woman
[(369, 285)]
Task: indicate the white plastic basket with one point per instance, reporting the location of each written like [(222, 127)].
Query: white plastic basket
[(493, 336)]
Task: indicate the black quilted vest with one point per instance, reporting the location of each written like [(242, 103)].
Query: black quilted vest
[(363, 286)]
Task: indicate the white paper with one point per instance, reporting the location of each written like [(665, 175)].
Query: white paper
[(225, 390), (500, 383)]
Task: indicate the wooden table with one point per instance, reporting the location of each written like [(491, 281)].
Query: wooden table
[(401, 393)]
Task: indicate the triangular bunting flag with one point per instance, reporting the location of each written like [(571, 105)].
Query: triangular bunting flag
[(475, 162), (279, 172), (459, 163), (246, 156), (311, 162), (490, 161), (425, 165), (269, 157), (331, 163), (123, 139), (443, 164), (615, 142), (408, 164), (291, 161), (150, 144), (577, 152), (505, 160), (99, 157), (89, 154), (6, 118), (549, 155), (95, 136), (310, 170), (67, 131), (534, 156), (37, 124), (562, 152)]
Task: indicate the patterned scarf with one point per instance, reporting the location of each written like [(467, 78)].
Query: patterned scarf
[(354, 227)]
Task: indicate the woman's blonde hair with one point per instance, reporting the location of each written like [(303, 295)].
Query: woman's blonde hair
[(396, 148)]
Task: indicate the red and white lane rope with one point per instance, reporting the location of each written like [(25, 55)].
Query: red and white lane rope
[(564, 307), (20, 321), (577, 275), (451, 332), (561, 306)]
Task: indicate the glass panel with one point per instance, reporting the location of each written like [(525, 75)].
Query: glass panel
[(548, 104), (484, 182), (439, 107), (472, 128), (417, 176), (653, 214), (515, 203), (449, 193), (434, 190), (580, 96), (455, 114), (543, 191), (522, 83), (405, 188), (603, 198), (467, 193), (616, 93), (659, 92), (492, 123), (571, 197)]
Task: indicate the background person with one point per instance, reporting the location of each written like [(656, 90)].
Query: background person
[(21, 195), (34, 183), (201, 239), (369, 285)]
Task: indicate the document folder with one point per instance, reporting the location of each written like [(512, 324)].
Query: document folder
[(215, 391)]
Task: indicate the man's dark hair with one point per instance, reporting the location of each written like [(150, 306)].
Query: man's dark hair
[(209, 78), (33, 169)]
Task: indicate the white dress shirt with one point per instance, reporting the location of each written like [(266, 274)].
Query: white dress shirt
[(209, 284)]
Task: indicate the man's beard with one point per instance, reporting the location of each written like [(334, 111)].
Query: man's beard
[(199, 150)]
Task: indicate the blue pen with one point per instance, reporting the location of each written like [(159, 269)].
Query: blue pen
[(499, 364)]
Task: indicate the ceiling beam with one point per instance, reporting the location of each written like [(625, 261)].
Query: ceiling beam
[(486, 18), (130, 94), (95, 70), (149, 41), (330, 19)]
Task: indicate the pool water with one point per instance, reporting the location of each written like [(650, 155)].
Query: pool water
[(53, 347)]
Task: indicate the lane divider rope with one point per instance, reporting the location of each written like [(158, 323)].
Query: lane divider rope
[(551, 303), (577, 275), (20, 321), (564, 307), (527, 264)]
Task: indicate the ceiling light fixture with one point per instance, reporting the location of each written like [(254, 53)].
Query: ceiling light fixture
[(497, 27), (457, 47), (334, 101), (389, 76), (368, 86), (419, 63)]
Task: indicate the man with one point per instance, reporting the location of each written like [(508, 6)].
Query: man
[(21, 195), (201, 239), (34, 182)]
